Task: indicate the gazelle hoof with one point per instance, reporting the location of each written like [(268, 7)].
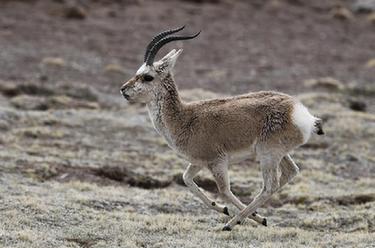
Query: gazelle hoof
[(225, 211), (227, 228), (264, 222)]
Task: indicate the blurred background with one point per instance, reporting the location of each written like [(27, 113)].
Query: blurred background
[(80, 167)]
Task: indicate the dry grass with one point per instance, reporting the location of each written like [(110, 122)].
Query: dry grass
[(57, 187)]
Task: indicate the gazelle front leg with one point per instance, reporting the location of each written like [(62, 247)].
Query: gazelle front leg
[(271, 184), (188, 177), (219, 171)]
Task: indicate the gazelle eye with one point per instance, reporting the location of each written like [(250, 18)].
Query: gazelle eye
[(148, 78)]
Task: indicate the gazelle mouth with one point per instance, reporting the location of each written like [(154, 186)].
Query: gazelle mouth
[(126, 96)]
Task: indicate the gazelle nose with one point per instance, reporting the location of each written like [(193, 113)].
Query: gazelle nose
[(122, 90)]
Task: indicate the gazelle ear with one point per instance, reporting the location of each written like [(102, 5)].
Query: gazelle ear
[(168, 61), (173, 58), (168, 55)]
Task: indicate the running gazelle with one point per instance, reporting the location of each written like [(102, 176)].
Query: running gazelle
[(213, 133)]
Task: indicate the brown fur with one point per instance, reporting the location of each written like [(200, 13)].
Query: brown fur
[(211, 133), (206, 130)]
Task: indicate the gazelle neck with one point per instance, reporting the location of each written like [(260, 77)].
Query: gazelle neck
[(165, 110)]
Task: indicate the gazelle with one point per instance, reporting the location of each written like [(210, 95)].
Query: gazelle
[(214, 133)]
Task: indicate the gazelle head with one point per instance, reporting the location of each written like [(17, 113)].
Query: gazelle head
[(148, 80)]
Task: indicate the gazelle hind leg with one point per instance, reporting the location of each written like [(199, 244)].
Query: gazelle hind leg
[(288, 168), (219, 170), (188, 176), (269, 166)]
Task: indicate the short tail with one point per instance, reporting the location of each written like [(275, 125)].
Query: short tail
[(318, 127)]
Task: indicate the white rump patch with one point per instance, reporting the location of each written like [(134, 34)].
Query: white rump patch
[(303, 120)]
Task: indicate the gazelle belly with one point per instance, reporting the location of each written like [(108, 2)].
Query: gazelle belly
[(241, 155)]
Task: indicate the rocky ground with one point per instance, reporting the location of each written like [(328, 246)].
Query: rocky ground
[(80, 167)]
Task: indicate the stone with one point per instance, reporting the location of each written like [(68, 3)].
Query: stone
[(371, 18), (357, 105), (326, 83), (114, 68), (54, 61), (370, 63), (342, 13), (363, 6), (75, 12)]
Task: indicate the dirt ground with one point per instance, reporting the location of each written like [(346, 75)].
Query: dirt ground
[(80, 167)]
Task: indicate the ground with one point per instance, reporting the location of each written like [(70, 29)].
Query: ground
[(80, 167)]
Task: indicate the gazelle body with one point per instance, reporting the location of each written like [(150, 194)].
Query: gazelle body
[(214, 133)]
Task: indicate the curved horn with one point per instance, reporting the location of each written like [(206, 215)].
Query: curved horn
[(160, 36), (151, 56)]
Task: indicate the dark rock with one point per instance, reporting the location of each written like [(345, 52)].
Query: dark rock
[(357, 105), (342, 13), (75, 12), (112, 13), (227, 228), (43, 78)]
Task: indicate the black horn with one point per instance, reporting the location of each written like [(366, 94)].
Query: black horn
[(151, 56), (158, 37)]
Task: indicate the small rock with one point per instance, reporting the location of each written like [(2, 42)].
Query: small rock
[(326, 83), (112, 13), (54, 61), (363, 6), (342, 13), (275, 4), (43, 78), (352, 158), (114, 68), (357, 105), (370, 63), (371, 18), (8, 88), (75, 12)]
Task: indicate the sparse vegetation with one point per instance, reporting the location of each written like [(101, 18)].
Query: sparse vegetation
[(79, 167), (106, 185)]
